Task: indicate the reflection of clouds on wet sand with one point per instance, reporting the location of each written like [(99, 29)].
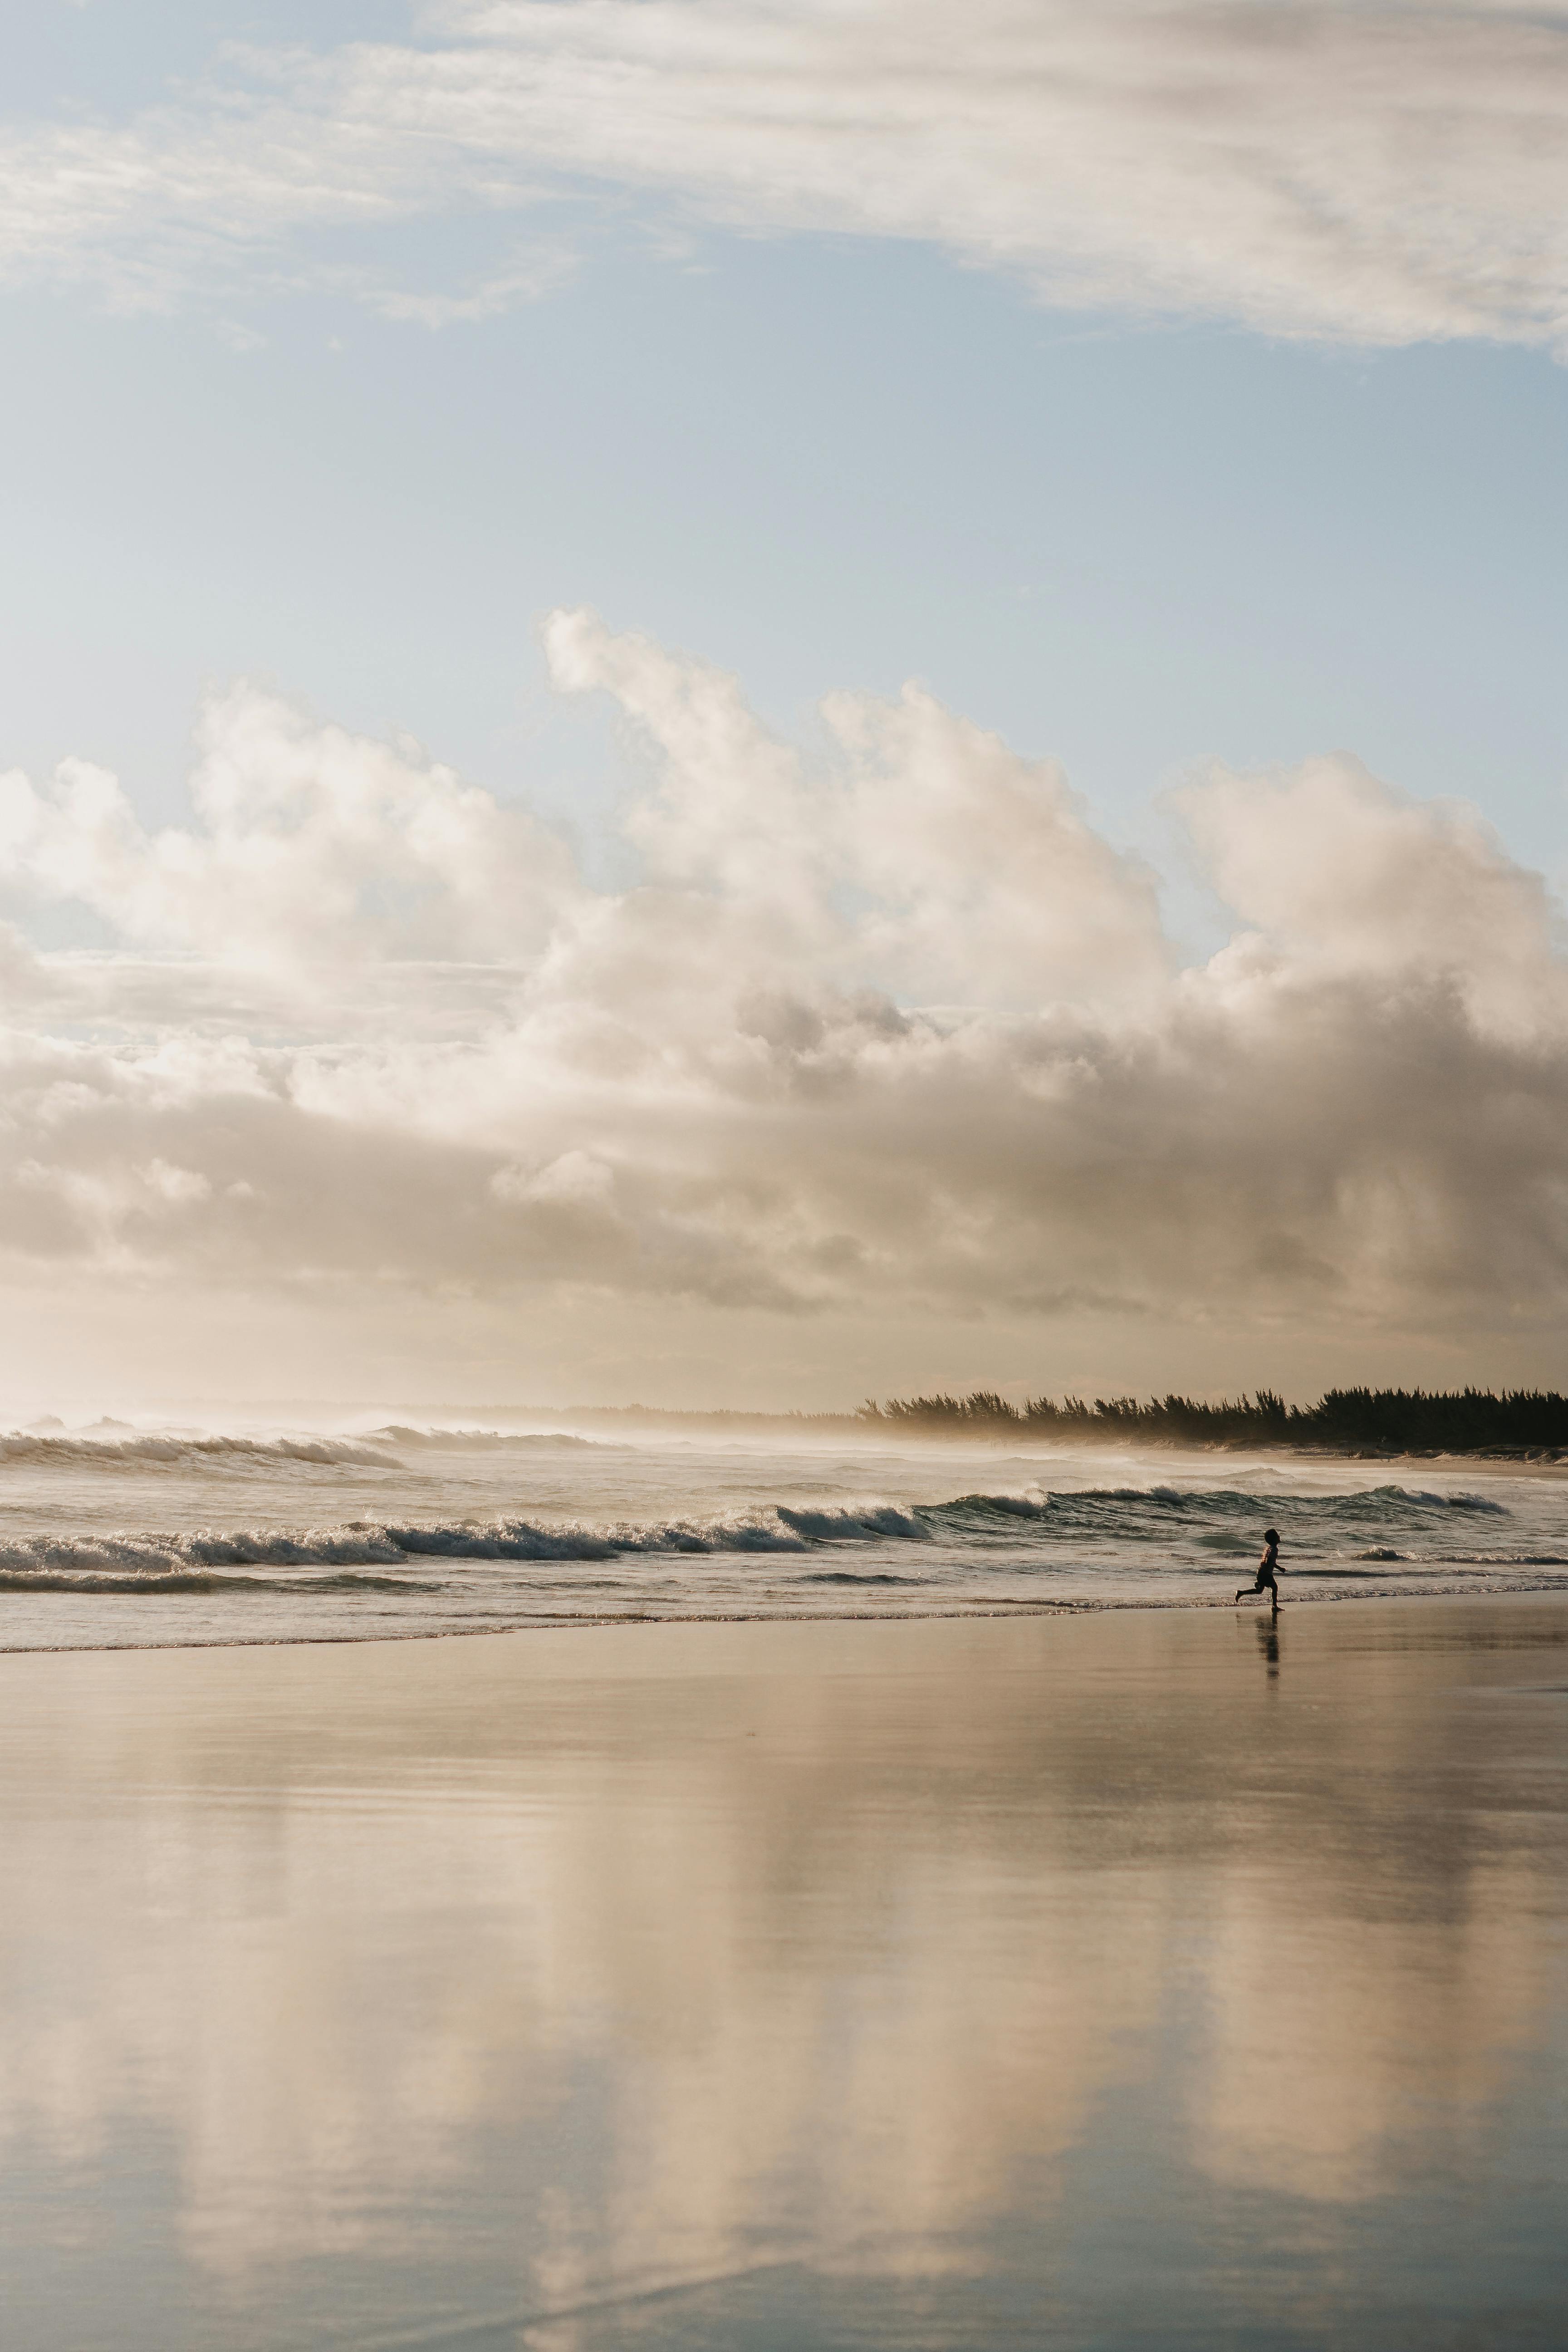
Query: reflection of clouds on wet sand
[(1342, 2041), (885, 2101), (602, 1960), (309, 2075)]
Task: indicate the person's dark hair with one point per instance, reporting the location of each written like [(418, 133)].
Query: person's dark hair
[(1270, 1535)]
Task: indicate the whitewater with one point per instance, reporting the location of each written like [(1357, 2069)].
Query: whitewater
[(123, 1537)]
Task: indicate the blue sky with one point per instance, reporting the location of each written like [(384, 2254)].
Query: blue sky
[(821, 463), (821, 460)]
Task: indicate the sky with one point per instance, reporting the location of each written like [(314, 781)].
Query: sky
[(735, 704)]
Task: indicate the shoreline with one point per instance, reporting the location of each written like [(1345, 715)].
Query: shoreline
[(828, 1430), (811, 1430), (894, 1429), (991, 1613)]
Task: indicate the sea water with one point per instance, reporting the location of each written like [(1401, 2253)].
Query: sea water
[(138, 1535)]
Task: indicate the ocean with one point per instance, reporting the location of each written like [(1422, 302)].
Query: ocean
[(122, 1536)]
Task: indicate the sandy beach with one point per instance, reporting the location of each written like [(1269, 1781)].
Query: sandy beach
[(1144, 1978)]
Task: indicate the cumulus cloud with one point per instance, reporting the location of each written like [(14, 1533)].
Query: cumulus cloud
[(880, 1028), (311, 845), (1384, 172)]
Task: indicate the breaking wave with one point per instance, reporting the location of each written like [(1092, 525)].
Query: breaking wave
[(1215, 1516), (1223, 1501), (30, 1448), (383, 1555), (152, 1583)]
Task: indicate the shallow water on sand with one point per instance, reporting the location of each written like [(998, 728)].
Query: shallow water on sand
[(1126, 1980), (154, 1536)]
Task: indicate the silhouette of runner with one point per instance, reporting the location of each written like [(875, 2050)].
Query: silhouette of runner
[(1266, 1568)]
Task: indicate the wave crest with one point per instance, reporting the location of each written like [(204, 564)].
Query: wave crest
[(28, 1447), (1393, 1524)]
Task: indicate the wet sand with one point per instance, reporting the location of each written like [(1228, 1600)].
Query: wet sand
[(1139, 1980)]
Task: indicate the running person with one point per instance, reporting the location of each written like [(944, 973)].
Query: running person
[(1265, 1569)]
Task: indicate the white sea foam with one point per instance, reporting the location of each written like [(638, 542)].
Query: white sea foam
[(472, 1529), (186, 1452)]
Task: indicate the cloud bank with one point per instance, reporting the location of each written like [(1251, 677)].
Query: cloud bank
[(1385, 174), (883, 1028)]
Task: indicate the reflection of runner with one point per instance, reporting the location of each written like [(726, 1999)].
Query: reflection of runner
[(1266, 1568)]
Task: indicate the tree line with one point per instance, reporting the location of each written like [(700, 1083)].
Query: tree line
[(1396, 1421)]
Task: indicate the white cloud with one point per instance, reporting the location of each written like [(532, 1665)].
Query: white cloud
[(528, 276), (312, 846), (1381, 172), (884, 1029)]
